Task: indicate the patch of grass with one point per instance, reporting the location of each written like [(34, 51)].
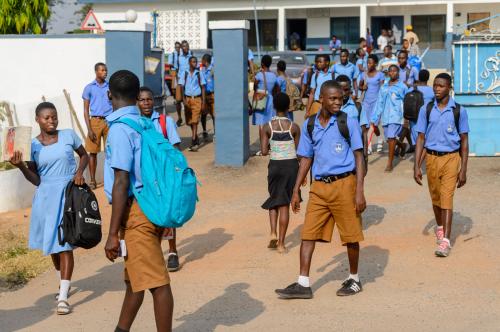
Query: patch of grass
[(18, 264)]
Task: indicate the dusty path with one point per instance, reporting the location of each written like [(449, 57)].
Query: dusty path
[(228, 274)]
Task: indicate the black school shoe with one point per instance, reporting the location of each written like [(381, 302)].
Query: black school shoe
[(350, 287), (173, 262), (295, 291), (195, 144)]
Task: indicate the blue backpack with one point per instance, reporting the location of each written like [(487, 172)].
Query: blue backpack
[(169, 194)]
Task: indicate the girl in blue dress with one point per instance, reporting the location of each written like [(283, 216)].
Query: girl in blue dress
[(370, 82), (51, 167), (260, 118)]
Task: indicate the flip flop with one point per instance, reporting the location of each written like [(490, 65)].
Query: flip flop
[(273, 244), (63, 308)]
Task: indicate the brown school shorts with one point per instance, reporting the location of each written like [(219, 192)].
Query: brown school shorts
[(144, 265), (315, 107), (100, 128), (210, 104), (330, 204), (442, 174), (193, 110)]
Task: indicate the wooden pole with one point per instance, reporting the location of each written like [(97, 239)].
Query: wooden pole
[(73, 112)]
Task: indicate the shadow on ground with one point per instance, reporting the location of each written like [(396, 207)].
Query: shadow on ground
[(234, 307), (373, 215), (107, 279), (372, 263), (293, 239), (461, 225), (199, 245)]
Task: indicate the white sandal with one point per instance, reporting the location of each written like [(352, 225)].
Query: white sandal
[(63, 308)]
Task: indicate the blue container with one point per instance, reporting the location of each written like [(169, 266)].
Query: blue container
[(476, 77)]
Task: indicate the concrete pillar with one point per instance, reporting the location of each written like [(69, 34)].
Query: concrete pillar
[(281, 29), (203, 28), (127, 46), (231, 92), (450, 13), (362, 21)]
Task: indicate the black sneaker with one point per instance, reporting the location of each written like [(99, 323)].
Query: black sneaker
[(295, 291), (194, 146), (349, 287), (173, 262), (205, 135), (179, 123)]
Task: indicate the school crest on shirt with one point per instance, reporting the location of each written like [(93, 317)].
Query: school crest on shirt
[(450, 128), (337, 147)]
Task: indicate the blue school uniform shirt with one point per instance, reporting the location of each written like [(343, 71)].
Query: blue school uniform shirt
[(348, 70), (331, 152), (390, 104), (440, 131), (281, 81), (350, 109), (208, 74), (191, 83), (183, 61), (317, 81), (172, 135), (250, 55), (100, 105), (306, 74), (123, 150), (173, 59), (336, 45), (413, 75)]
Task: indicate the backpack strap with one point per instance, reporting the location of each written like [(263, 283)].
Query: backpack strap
[(430, 105), (316, 79), (131, 123), (310, 126), (408, 72), (163, 125), (199, 78), (456, 115), (342, 124)]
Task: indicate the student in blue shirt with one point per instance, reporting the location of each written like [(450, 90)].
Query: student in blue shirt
[(173, 60), (283, 80), (353, 110), (144, 264), (96, 106), (207, 70), (335, 45), (408, 75), (346, 68), (428, 95), (321, 75), (390, 109), (447, 145), (182, 67), (169, 131), (306, 80), (336, 194), (193, 84)]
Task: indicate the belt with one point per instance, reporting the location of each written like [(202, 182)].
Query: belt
[(198, 96), (98, 117), (209, 93), (333, 178), (439, 154)]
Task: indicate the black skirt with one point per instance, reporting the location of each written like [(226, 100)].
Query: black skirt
[(281, 178)]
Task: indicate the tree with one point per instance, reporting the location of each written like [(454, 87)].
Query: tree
[(21, 16)]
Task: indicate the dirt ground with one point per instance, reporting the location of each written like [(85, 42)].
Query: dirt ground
[(228, 275)]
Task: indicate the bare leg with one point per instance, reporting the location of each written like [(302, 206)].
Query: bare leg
[(306, 252), (446, 219), (172, 243), (67, 264), (56, 260), (392, 147), (92, 167), (273, 221), (131, 304), (194, 131), (178, 108), (438, 215), (353, 256), (204, 122), (164, 307), (284, 216)]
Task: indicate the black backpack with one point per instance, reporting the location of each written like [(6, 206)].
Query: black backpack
[(412, 103), (81, 224)]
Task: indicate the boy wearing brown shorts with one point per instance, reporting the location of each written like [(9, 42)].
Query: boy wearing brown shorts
[(443, 129), (336, 196), (192, 84)]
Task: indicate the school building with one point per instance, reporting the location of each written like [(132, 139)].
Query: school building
[(315, 21)]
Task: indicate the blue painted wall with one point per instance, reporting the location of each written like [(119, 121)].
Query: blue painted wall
[(231, 97), (474, 72)]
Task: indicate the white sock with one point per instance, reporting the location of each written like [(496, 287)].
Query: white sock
[(440, 227), (354, 276), (63, 290), (58, 274), (304, 281), (447, 240)]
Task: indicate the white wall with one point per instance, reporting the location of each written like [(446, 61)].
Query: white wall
[(36, 66)]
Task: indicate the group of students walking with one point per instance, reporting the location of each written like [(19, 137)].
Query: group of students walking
[(331, 146)]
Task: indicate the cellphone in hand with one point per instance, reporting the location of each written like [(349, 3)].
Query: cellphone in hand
[(123, 249)]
